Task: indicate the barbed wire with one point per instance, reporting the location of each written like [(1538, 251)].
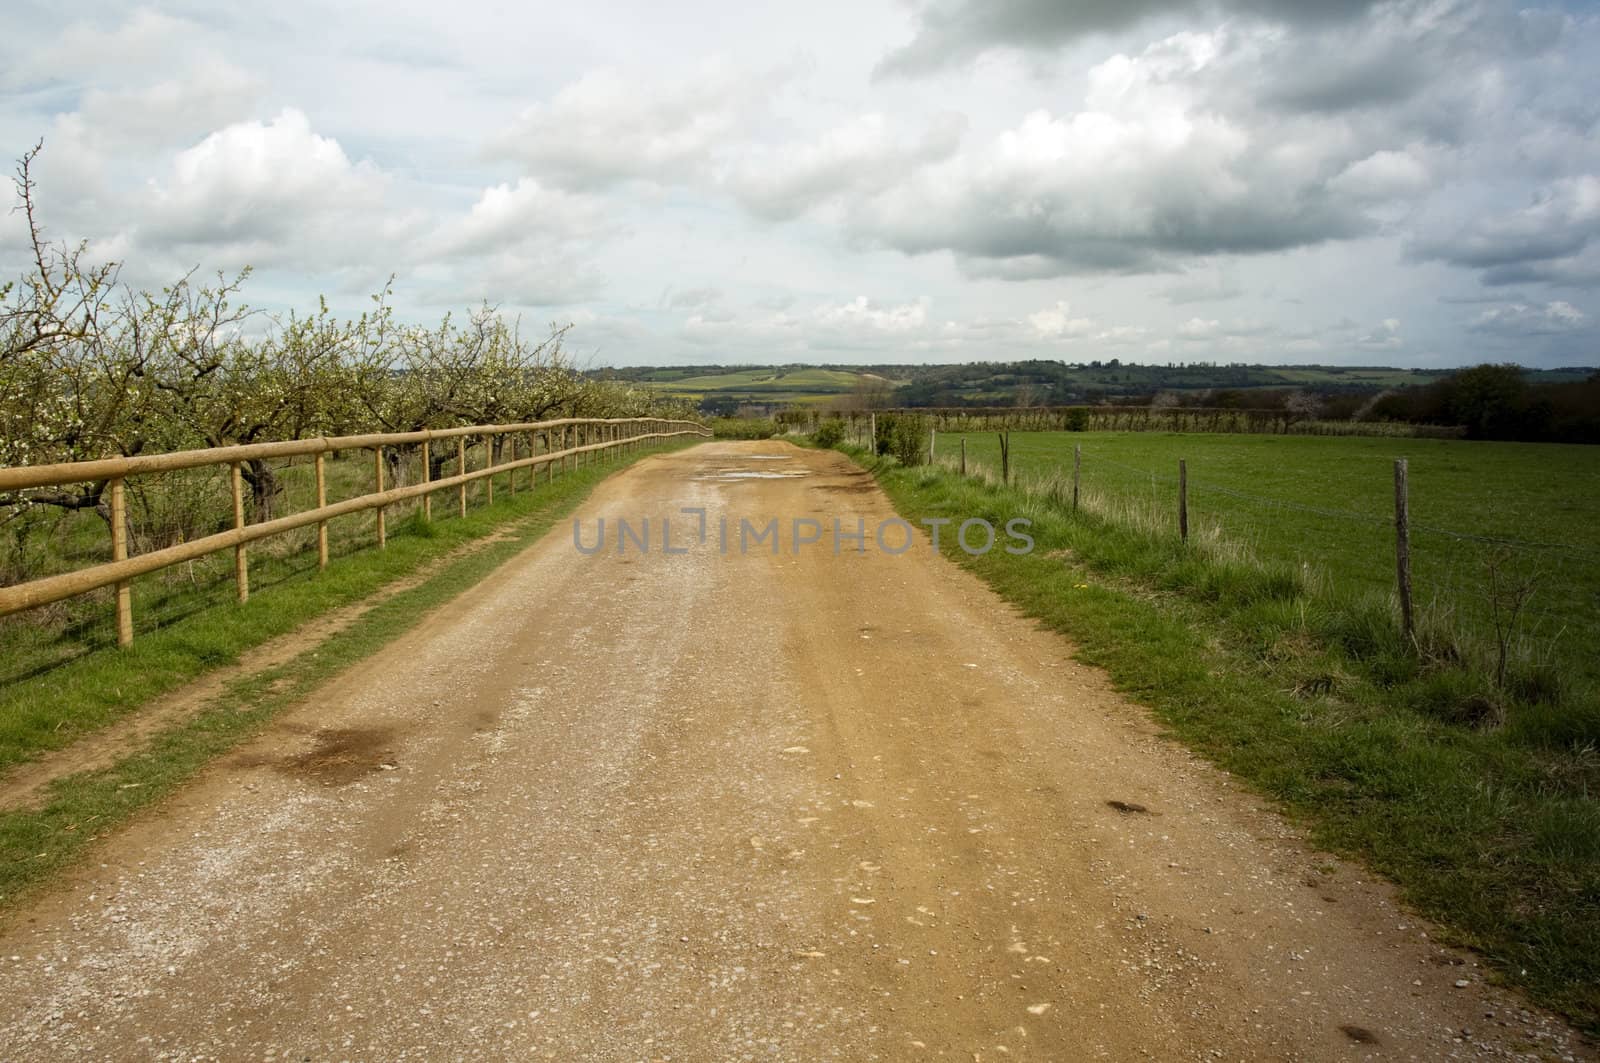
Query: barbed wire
[(1278, 503), (1365, 518), (1134, 468), (1524, 544)]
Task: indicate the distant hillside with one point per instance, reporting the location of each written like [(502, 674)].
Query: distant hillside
[(724, 389)]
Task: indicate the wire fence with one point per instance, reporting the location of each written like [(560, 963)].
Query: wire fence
[(1338, 530)]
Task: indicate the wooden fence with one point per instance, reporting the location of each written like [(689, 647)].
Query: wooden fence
[(567, 442)]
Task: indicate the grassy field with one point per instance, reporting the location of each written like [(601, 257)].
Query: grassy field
[(1491, 827), (1327, 505)]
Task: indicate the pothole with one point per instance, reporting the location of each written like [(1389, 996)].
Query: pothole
[(344, 754)]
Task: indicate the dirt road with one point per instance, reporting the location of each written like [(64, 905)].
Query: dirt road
[(710, 807)]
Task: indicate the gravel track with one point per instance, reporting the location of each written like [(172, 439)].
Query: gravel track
[(703, 807)]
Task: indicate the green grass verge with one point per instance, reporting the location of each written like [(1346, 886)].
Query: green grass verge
[(1493, 832), (94, 690)]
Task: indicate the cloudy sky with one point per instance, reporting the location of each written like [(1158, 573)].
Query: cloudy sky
[(1332, 181)]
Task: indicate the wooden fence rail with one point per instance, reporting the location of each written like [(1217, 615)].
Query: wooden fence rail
[(577, 438)]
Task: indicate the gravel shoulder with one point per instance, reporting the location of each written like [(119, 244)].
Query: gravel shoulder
[(701, 806)]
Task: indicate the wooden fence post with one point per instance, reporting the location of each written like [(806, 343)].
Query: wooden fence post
[(549, 466), (1402, 548), (511, 477), (963, 455), (1077, 472), (461, 470), (533, 451), (1005, 457), (322, 500), (872, 433), (933, 438), (1183, 500), (427, 477), (377, 476), (488, 463), (241, 564), (119, 552)]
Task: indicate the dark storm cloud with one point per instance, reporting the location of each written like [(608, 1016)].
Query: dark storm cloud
[(953, 31)]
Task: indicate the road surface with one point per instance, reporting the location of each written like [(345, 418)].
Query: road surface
[(708, 806)]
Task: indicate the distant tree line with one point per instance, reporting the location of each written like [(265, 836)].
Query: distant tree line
[(1499, 402), (1505, 401)]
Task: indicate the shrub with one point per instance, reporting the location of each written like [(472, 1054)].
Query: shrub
[(905, 436), (744, 428), (829, 433)]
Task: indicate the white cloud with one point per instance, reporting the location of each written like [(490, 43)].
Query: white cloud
[(861, 314), (258, 191), (508, 215), (1142, 178), (1383, 175), (1057, 322), (1554, 318), (1385, 337), (859, 157), (606, 127)]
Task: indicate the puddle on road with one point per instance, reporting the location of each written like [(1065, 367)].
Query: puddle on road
[(749, 474)]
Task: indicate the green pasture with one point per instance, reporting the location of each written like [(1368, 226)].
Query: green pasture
[(1326, 504)]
